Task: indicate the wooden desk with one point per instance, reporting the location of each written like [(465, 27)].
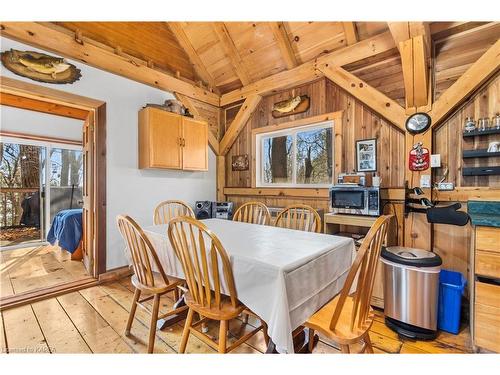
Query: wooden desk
[(332, 225)]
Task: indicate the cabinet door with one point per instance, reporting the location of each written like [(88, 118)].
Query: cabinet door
[(195, 145), (164, 138)]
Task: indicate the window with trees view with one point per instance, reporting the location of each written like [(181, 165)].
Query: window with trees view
[(296, 157)]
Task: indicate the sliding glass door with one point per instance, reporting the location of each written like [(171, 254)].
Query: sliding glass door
[(21, 213), (38, 179)]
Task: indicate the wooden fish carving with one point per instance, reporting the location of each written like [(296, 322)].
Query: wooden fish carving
[(40, 67), (287, 105)]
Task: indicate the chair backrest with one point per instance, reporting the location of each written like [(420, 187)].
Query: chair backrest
[(202, 257), (141, 251), (365, 267), (300, 217), (254, 213), (167, 210)]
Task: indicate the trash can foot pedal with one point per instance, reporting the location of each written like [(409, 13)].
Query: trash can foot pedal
[(409, 331)]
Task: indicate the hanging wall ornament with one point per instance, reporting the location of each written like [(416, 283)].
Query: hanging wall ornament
[(419, 158)]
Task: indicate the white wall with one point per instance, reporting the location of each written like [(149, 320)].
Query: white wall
[(36, 123), (129, 190)]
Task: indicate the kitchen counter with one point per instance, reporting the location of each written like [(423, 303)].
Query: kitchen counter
[(484, 213)]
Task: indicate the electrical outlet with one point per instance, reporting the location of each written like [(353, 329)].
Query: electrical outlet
[(445, 186), (436, 161), (425, 181)]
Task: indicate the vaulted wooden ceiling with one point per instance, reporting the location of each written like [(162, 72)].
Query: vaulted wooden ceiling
[(225, 56)]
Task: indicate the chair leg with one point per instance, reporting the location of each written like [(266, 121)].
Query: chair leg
[(222, 336), (137, 295), (154, 319), (264, 329), (344, 349), (311, 340), (186, 331), (368, 344), (245, 318), (176, 295)]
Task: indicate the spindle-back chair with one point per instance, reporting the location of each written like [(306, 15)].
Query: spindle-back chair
[(299, 217), (346, 319), (209, 276), (253, 213), (145, 279)]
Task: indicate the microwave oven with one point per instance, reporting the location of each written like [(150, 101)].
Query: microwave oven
[(355, 200)]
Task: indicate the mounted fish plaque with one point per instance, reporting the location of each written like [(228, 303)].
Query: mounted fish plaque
[(292, 106), (40, 66)]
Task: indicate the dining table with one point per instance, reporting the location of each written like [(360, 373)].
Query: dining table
[(284, 276)]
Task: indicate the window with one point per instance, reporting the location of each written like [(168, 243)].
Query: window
[(299, 157)]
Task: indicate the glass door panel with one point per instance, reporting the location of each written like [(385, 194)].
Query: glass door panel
[(65, 180), (20, 208)]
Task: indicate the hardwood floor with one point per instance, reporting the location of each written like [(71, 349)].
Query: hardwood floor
[(93, 321), (30, 268)]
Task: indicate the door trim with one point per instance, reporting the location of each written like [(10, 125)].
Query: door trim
[(96, 110)]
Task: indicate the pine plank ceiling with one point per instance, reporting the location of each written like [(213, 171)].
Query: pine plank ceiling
[(226, 56)]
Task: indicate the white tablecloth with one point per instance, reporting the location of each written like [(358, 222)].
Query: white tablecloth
[(282, 275)]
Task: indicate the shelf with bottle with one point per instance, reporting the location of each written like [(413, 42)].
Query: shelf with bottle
[(484, 126)]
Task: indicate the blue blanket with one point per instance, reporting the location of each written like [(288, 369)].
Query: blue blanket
[(66, 229)]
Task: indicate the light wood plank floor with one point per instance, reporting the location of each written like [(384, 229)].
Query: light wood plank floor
[(26, 269), (93, 321)]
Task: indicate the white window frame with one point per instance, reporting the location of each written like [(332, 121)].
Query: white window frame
[(259, 181)]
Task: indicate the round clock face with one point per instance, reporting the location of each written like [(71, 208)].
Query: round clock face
[(418, 123)]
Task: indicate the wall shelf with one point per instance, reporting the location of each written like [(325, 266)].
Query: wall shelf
[(481, 171), (475, 133), (479, 154)]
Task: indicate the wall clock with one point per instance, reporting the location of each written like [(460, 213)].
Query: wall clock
[(418, 123)]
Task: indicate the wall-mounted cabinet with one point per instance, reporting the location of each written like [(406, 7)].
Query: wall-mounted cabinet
[(171, 141)]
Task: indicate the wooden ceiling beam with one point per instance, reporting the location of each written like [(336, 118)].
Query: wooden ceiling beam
[(413, 40), (232, 52), (309, 71), (188, 103), (239, 123), (281, 36), (64, 43), (477, 74), (350, 32), (30, 104), (198, 65), (370, 96)]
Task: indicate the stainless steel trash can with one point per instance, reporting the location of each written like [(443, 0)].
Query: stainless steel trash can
[(411, 290)]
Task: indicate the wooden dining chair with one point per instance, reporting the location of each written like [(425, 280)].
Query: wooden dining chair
[(253, 213), (167, 210), (155, 284), (208, 272), (346, 319), (299, 217)]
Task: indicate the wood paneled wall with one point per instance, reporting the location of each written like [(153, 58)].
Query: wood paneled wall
[(448, 140), (360, 123), (452, 242)]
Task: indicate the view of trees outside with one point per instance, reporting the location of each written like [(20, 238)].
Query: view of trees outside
[(313, 152), (278, 159), (20, 186)]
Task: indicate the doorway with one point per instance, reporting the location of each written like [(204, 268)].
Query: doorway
[(37, 180), (50, 176)]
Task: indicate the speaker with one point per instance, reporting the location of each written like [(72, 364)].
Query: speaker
[(204, 210), (224, 210)]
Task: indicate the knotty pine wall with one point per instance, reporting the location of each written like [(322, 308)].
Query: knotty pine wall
[(448, 140), (452, 242), (359, 123)]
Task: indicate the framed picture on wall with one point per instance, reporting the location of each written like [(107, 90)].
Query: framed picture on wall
[(366, 155)]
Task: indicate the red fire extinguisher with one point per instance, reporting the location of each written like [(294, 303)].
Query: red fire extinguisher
[(419, 158)]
